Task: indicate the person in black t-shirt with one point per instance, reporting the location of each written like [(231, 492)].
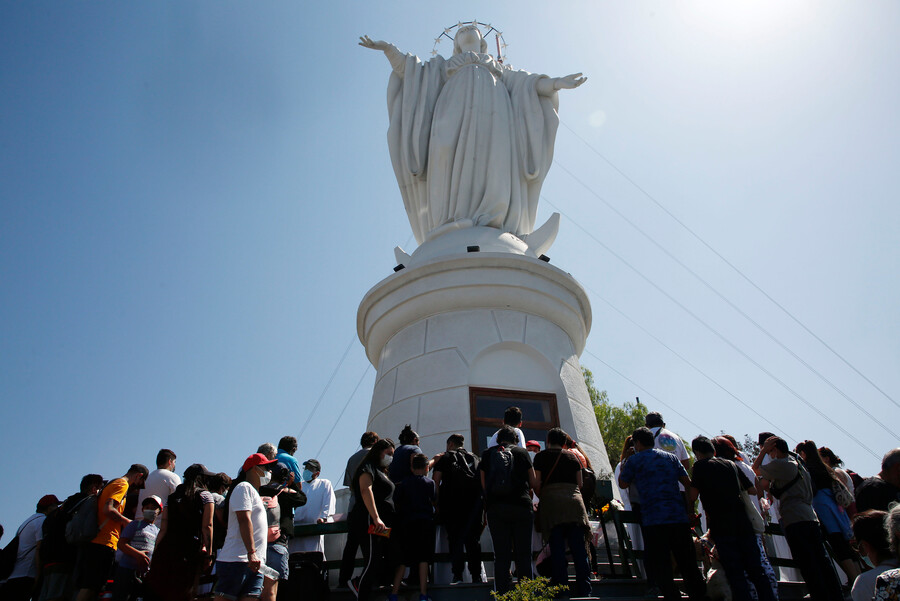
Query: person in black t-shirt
[(373, 513), (57, 555), (507, 479), (563, 517), (880, 491), (718, 483), (461, 506)]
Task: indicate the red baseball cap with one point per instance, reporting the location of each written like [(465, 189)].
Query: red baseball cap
[(532, 443), (256, 459), (47, 501)]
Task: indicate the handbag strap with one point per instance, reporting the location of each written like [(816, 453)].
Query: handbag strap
[(558, 457), (22, 527), (737, 476)]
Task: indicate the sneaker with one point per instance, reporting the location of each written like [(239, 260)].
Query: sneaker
[(353, 585), (456, 580)]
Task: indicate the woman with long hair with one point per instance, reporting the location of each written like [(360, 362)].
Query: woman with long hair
[(373, 513), (831, 514), (184, 545)]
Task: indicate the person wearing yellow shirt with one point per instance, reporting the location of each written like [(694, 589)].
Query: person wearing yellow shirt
[(95, 559)]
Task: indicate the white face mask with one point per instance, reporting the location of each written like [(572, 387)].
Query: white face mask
[(150, 515), (265, 478), (531, 454), (386, 460)]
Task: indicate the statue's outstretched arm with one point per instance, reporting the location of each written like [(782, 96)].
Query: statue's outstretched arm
[(547, 85), (390, 51)]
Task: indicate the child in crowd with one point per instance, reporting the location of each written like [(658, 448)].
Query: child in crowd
[(412, 539), (135, 549)]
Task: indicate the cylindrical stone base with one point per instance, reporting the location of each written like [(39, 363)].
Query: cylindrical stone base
[(494, 321)]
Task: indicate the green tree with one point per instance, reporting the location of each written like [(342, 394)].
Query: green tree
[(616, 423)]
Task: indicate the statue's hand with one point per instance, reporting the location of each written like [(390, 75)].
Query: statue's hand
[(367, 42), (569, 82)]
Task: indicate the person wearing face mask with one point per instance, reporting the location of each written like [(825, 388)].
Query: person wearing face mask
[(533, 447), (136, 546), (318, 509), (872, 541), (238, 564), (373, 514)]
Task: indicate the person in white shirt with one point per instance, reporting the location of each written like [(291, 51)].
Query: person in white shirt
[(666, 440), (318, 509), (512, 417), (162, 481), (20, 584), (239, 561)]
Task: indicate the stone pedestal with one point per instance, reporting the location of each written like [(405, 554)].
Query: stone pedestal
[(454, 320)]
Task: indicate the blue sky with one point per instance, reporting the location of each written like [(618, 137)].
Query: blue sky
[(194, 198)]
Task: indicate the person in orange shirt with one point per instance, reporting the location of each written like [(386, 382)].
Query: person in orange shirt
[(95, 559)]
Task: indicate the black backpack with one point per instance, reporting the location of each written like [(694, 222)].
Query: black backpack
[(588, 486), (499, 480), (184, 517), (8, 557), (464, 469), (461, 480)]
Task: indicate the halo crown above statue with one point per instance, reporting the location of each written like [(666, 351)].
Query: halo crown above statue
[(471, 139), (484, 31)]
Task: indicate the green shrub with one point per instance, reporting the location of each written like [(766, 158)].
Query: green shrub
[(536, 589)]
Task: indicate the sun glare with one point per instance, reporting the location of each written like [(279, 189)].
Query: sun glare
[(744, 18)]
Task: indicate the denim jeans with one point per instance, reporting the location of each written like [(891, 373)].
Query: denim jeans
[(739, 554), (573, 535)]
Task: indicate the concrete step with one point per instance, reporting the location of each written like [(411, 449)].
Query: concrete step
[(608, 589)]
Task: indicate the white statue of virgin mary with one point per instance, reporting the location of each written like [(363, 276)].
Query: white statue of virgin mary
[(471, 140)]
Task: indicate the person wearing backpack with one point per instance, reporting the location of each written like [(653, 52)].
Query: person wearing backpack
[(460, 506), (184, 547), (507, 478), (95, 559), (26, 570), (57, 555)]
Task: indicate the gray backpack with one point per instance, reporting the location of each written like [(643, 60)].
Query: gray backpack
[(83, 527)]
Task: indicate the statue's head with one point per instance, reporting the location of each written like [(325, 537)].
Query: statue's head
[(469, 39)]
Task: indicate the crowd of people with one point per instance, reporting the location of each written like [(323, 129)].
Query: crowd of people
[(396, 506), (833, 521), (153, 535)]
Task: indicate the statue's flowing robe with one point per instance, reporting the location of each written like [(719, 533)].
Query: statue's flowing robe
[(471, 142)]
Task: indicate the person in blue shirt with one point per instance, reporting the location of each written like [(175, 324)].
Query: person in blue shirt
[(287, 446), (409, 446), (666, 515)]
